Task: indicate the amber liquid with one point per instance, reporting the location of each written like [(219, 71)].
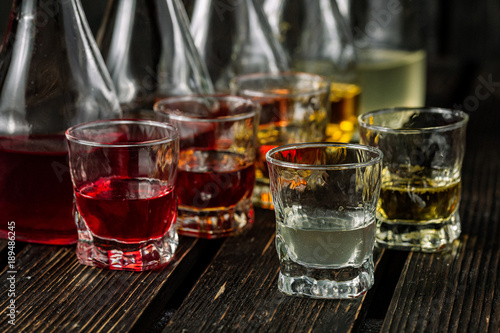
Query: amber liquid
[(408, 202), (288, 119), (344, 98), (284, 120), (272, 129)]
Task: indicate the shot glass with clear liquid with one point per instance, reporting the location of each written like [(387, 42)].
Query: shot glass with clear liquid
[(295, 108), (218, 138), (123, 174), (325, 197), (421, 176)]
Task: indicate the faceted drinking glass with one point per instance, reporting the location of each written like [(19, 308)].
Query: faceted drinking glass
[(123, 174), (325, 197), (421, 175), (216, 165), (295, 108)]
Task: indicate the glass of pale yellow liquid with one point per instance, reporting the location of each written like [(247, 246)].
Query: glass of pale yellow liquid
[(421, 175)]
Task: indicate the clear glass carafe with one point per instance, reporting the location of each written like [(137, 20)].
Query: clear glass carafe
[(235, 38), (150, 53), (52, 76), (317, 39), (390, 41)]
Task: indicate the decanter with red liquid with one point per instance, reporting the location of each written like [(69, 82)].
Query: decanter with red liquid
[(150, 54), (52, 76)]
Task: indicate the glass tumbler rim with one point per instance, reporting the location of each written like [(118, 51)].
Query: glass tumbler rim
[(261, 93), (372, 161), (71, 135), (461, 119), (255, 111)]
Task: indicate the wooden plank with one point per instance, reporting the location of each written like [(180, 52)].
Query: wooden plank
[(18, 246), (3, 244), (55, 293), (3, 252), (459, 290), (238, 292)]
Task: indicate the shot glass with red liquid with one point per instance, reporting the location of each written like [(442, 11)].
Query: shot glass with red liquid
[(123, 174), (218, 137)]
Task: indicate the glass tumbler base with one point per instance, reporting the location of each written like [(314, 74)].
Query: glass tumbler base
[(326, 283), (111, 254), (429, 237), (215, 223)]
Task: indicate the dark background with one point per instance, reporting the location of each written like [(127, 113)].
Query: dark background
[(94, 10), (462, 44), (463, 47), (460, 30)]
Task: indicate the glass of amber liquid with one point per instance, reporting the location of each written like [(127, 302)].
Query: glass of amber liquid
[(218, 137), (421, 176), (123, 174), (295, 109)]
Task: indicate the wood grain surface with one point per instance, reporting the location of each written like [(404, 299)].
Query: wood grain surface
[(459, 291), (55, 293), (231, 285), (239, 292)]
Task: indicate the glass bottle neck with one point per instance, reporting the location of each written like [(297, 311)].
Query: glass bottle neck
[(149, 52), (51, 73)]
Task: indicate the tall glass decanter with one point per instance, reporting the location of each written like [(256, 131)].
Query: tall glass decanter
[(235, 38), (390, 37), (150, 53), (317, 39), (51, 77)]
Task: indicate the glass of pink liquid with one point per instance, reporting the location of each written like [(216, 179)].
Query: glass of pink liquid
[(218, 137), (123, 174)]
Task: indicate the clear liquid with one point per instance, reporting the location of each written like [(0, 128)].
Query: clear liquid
[(324, 253), (391, 78), (338, 243)]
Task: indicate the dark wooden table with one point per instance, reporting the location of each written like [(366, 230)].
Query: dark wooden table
[(231, 285)]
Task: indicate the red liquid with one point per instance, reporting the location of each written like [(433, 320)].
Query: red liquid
[(202, 134), (275, 109), (35, 190), (261, 161), (196, 135), (211, 179), (127, 209)]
